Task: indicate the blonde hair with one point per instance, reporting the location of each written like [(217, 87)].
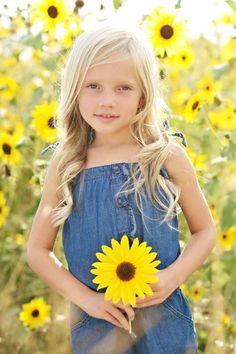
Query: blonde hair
[(107, 43)]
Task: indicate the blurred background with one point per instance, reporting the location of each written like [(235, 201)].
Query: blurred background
[(195, 46)]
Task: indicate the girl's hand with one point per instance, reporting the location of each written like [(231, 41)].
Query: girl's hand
[(161, 290), (95, 305)]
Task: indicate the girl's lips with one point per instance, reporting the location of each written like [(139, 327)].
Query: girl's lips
[(106, 116)]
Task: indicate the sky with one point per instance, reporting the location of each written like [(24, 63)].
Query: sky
[(199, 12)]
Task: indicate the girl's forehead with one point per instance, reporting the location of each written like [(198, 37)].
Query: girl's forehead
[(117, 68)]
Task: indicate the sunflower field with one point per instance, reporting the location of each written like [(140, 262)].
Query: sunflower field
[(197, 78)]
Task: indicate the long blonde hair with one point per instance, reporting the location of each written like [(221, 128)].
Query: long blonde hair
[(93, 47)]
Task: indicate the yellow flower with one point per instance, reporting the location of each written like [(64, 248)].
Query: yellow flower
[(35, 313), (194, 104), (167, 33), (224, 118), (44, 121), (209, 87), (12, 126), (184, 289), (125, 271), (179, 99), (8, 152), (227, 238), (198, 160), (228, 51), (70, 29), (20, 239), (8, 87), (196, 292), (214, 213), (229, 18), (4, 210), (183, 59), (50, 13), (225, 319)]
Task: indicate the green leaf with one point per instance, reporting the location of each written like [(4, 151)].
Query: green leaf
[(228, 213), (117, 4), (35, 42), (178, 4), (37, 94), (232, 4)]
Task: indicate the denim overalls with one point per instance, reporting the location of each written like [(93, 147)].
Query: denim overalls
[(103, 214)]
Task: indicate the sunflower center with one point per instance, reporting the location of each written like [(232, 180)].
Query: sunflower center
[(125, 271), (35, 313), (183, 57), (6, 149), (51, 123), (52, 11), (167, 31), (0, 210), (224, 236), (195, 105), (196, 292)]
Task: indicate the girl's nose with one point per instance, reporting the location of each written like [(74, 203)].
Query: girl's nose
[(107, 99)]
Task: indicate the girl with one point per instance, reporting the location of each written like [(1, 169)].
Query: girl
[(117, 171)]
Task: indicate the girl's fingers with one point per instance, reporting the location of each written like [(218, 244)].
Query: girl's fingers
[(115, 312), (112, 320), (128, 310)]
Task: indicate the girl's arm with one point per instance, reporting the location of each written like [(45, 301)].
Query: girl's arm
[(41, 242), (197, 214), (200, 222), (42, 260)]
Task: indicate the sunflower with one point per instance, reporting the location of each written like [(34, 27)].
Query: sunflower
[(167, 33), (227, 238), (125, 271), (194, 105), (8, 87), (208, 86), (12, 126), (8, 152), (35, 313), (183, 59), (44, 121), (50, 13), (196, 292)]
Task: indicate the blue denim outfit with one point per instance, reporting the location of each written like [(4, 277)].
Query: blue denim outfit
[(103, 214)]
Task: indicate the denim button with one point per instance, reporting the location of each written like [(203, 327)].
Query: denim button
[(116, 169), (122, 202)]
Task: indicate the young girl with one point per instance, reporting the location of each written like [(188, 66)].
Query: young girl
[(116, 171)]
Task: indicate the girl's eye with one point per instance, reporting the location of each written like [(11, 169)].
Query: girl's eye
[(125, 88), (93, 86)]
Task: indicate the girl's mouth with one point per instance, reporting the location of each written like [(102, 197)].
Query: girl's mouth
[(106, 117)]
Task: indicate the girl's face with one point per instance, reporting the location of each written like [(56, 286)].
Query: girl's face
[(109, 97)]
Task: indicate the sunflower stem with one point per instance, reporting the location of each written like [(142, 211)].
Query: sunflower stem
[(130, 326)]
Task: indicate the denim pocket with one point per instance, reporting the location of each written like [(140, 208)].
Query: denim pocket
[(78, 317), (179, 306)]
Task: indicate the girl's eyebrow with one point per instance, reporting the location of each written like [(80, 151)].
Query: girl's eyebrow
[(120, 82)]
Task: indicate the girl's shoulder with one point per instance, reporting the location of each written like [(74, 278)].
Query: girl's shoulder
[(178, 165)]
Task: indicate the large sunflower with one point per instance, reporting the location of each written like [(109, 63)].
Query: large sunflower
[(35, 313), (50, 13), (125, 271), (166, 32)]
